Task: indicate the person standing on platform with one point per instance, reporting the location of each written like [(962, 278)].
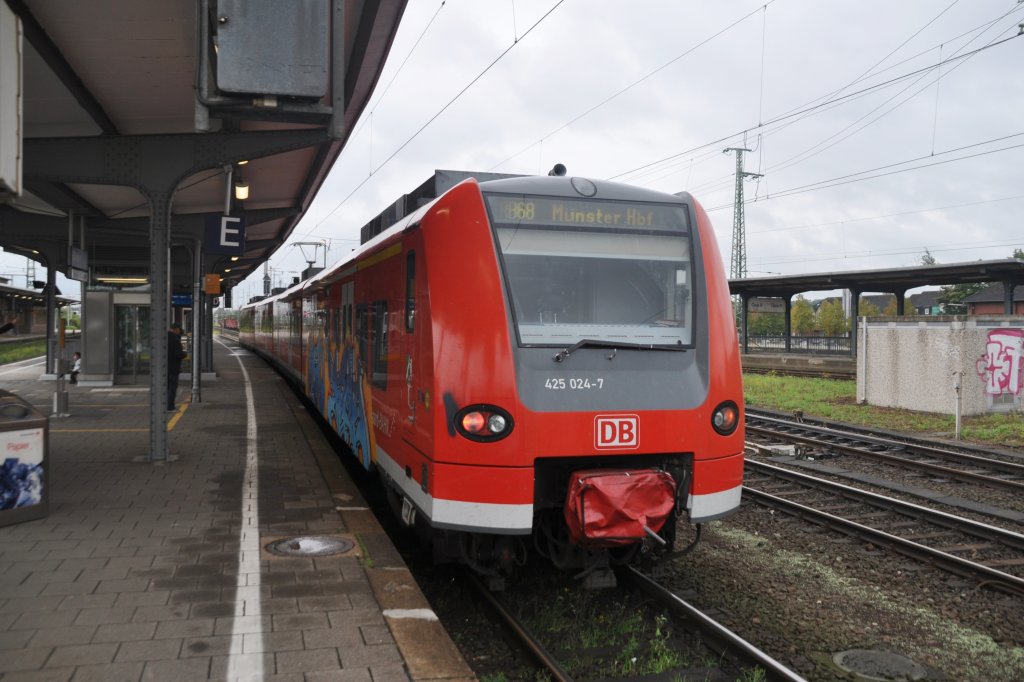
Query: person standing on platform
[(175, 354), (76, 366)]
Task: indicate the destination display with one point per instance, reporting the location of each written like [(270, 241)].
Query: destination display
[(557, 212)]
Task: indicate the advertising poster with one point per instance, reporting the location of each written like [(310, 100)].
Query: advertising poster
[(21, 468)]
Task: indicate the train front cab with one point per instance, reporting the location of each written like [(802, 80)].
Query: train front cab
[(599, 328)]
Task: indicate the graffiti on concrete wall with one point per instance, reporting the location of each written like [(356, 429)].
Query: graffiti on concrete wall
[(1000, 366)]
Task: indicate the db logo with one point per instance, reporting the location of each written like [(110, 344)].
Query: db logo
[(617, 431)]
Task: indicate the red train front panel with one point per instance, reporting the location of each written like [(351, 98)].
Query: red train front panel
[(493, 313)]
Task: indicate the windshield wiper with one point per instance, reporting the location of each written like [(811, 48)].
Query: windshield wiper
[(615, 345)]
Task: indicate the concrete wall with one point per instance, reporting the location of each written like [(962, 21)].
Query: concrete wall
[(913, 363)]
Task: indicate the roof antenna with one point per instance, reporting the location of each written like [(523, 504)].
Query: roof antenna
[(558, 170)]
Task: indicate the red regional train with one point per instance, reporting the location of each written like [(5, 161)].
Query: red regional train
[(527, 360)]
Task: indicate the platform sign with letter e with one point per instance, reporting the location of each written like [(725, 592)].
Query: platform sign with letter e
[(225, 235)]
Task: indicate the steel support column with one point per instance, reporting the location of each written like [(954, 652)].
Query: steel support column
[(788, 301), (198, 348), (159, 318), (53, 359), (854, 312), (744, 315), (1008, 288)]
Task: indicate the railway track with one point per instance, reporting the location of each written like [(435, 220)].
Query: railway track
[(994, 557), (791, 371), (930, 458), (725, 643)]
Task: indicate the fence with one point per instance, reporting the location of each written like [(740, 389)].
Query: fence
[(827, 345)]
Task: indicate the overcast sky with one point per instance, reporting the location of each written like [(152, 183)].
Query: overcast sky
[(881, 128)]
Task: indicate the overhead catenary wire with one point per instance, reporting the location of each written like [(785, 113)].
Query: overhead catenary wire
[(860, 124), (884, 216), (440, 111), (401, 67), (874, 172), (714, 144), (712, 150), (826, 103), (632, 85)]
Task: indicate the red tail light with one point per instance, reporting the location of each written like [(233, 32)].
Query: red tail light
[(473, 422), (483, 423)]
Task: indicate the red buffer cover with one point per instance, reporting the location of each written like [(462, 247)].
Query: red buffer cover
[(606, 508)]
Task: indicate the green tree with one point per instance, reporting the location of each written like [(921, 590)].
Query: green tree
[(890, 309), (953, 296), (927, 258), (766, 323), (832, 319), (801, 317), (866, 308)]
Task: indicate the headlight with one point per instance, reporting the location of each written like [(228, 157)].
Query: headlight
[(497, 423), (725, 418), (483, 423)]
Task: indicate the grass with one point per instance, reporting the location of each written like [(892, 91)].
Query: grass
[(596, 635), (836, 399), (21, 350)]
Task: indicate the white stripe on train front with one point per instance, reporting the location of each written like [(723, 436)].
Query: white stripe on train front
[(511, 519), (714, 505)]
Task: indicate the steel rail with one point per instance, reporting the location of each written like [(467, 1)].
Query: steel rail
[(909, 443), (954, 564), (953, 522), (959, 474), (529, 641), (723, 639)]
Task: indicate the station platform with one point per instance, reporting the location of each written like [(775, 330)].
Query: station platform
[(147, 572), (835, 366)]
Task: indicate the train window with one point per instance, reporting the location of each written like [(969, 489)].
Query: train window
[(348, 291), (362, 335), (629, 286), (267, 321), (380, 344), (410, 290)]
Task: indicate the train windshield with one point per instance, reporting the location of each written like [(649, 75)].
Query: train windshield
[(606, 271)]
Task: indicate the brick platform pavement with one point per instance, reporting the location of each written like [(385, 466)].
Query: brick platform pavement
[(145, 572)]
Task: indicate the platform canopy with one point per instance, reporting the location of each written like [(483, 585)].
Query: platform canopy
[(123, 96), (889, 280), (171, 146), (897, 281)]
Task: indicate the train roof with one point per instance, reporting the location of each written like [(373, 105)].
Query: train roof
[(544, 185), (408, 208)]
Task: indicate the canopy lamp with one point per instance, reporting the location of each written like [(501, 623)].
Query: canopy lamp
[(241, 188)]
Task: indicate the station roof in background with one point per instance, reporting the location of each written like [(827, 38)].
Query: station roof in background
[(129, 70), (891, 280)]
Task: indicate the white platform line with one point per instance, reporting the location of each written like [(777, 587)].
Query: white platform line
[(248, 582)]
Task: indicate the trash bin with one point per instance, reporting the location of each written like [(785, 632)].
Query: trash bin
[(24, 439)]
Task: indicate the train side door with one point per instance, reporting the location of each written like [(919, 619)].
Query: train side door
[(413, 355)]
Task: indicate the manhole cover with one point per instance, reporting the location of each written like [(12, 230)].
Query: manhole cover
[(310, 545), (880, 665)]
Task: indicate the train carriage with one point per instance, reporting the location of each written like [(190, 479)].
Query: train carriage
[(530, 360)]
